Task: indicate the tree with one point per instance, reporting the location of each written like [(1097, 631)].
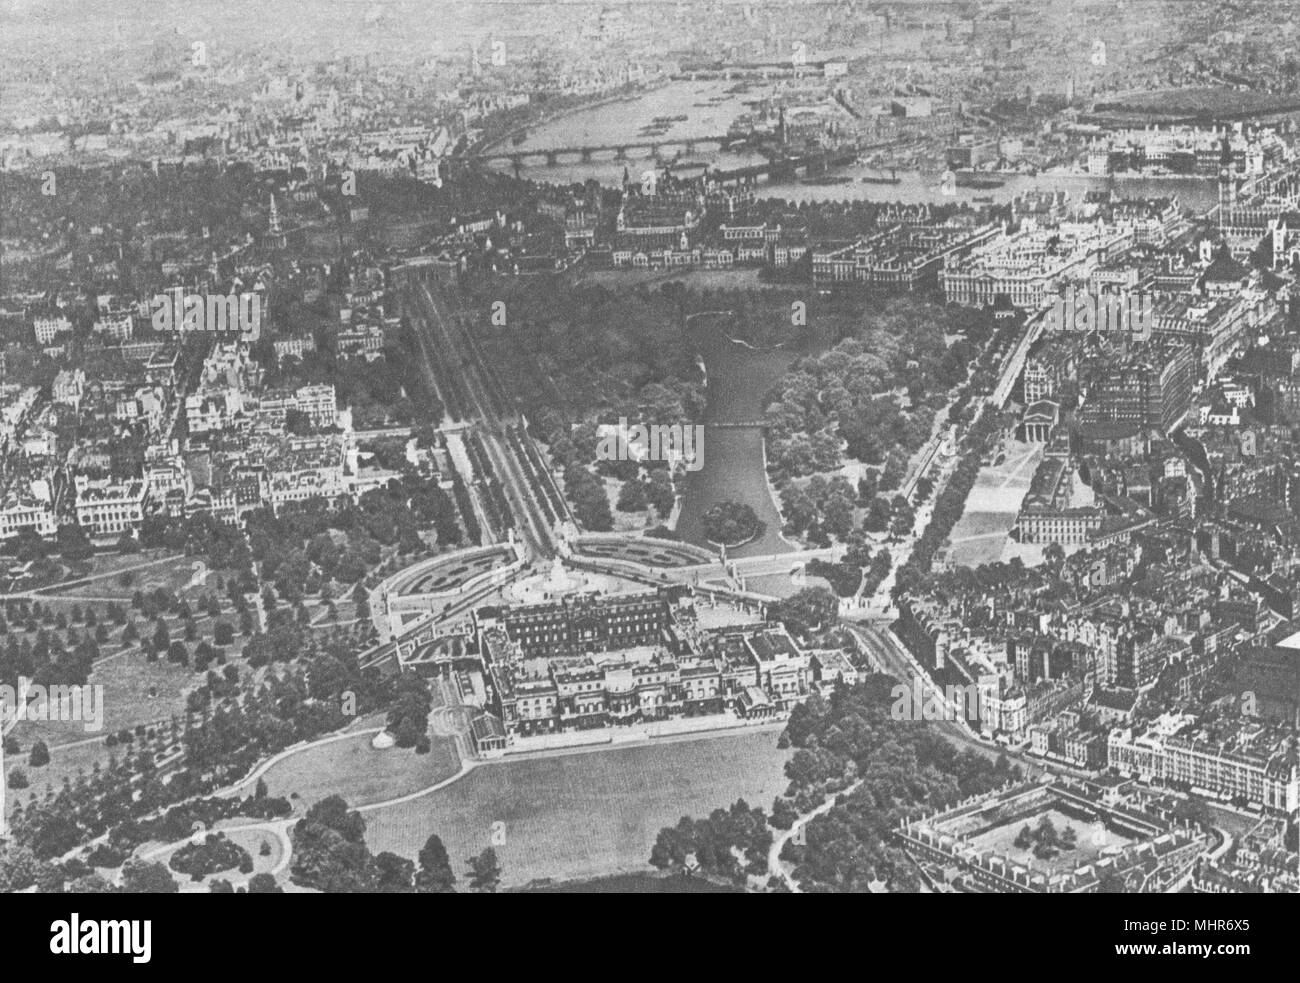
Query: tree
[(590, 504), (263, 884), (223, 633), (809, 610), (73, 543), (485, 871), (1054, 555), (877, 517), (435, 875), (660, 492), (329, 850), (40, 755), (730, 523), (203, 655), (18, 779), (141, 877), (297, 423), (395, 874), (90, 884), (333, 812), (632, 496), (408, 719)]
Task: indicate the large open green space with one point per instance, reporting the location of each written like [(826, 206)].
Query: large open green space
[(587, 814)]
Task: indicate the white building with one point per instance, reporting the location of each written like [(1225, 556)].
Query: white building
[(47, 329), (108, 508), (17, 514)]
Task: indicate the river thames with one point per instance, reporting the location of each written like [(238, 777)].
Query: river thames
[(740, 378), (710, 109)]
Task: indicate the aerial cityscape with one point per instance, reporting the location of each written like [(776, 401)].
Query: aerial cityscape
[(649, 446)]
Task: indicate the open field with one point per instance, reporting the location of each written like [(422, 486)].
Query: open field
[(980, 535), (127, 680), (120, 577), (782, 584), (583, 815), (355, 770)]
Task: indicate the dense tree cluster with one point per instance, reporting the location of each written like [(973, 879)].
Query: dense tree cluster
[(330, 854), (819, 509), (572, 354), (950, 504), (408, 717), (586, 492), (1045, 840), (874, 393), (491, 492), (852, 741), (539, 477), (215, 852), (731, 523), (848, 746), (390, 390), (731, 843), (225, 734), (47, 657), (811, 609)]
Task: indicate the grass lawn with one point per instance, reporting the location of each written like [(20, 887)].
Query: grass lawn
[(353, 769), (980, 537), (173, 574), (250, 839), (126, 702), (126, 680), (126, 677), (583, 815), (1092, 839), (782, 584)]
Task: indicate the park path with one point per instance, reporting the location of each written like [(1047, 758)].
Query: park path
[(779, 867), (41, 593), (289, 752), (278, 828)]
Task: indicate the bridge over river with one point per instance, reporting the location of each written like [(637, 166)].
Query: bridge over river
[(655, 147)]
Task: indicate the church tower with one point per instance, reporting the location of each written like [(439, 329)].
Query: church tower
[(274, 237)]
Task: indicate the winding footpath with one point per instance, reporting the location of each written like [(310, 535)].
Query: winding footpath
[(778, 867)]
